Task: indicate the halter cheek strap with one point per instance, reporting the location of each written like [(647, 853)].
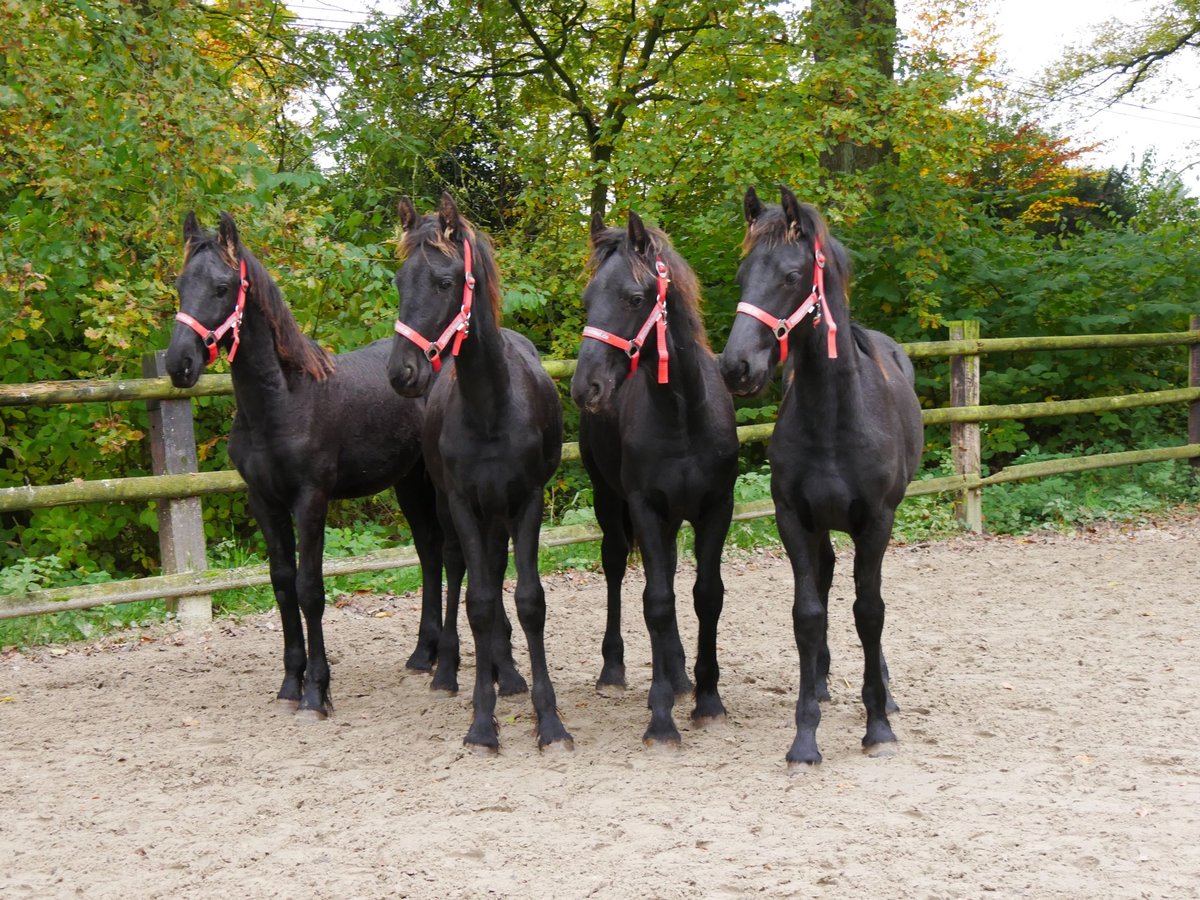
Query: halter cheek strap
[(657, 318), (815, 300), (213, 337), (459, 326)]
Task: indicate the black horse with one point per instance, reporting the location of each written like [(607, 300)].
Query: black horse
[(309, 428), (658, 439), (492, 439), (846, 444)]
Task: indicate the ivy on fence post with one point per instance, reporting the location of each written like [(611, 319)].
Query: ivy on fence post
[(965, 436), (180, 522)]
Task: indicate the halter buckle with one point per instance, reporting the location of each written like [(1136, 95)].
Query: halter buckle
[(432, 352), (661, 268), (633, 350), (781, 329)]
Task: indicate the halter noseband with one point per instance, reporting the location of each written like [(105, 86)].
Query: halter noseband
[(815, 300), (459, 326), (212, 338), (657, 317)]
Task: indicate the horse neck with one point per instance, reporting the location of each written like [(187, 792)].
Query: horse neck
[(685, 372), (482, 366), (831, 388), (257, 373)]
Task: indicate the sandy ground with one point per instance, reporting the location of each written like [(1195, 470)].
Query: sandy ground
[(1049, 688)]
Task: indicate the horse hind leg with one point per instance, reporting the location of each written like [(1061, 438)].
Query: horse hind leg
[(276, 526), (418, 502), (708, 596), (531, 610), (826, 561), (449, 654), (613, 517), (509, 680)]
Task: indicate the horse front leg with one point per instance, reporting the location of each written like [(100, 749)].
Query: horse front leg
[(310, 512), (809, 622), (613, 518), (418, 502), (826, 560), (870, 544), (708, 598), (276, 526), (483, 598), (509, 681), (531, 611), (657, 539)]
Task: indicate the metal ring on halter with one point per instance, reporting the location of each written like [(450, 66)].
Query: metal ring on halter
[(633, 350), (432, 352), (781, 329)]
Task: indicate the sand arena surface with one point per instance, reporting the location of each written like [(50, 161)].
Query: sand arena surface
[(1049, 688)]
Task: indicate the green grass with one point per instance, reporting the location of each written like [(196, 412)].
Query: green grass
[(1059, 502)]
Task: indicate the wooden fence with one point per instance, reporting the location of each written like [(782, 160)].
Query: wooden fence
[(187, 583)]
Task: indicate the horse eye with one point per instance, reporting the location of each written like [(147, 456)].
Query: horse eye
[(635, 300), (792, 277), (222, 290), (445, 283)]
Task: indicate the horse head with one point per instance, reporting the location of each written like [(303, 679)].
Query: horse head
[(443, 258), (212, 293), (625, 302), (782, 284)]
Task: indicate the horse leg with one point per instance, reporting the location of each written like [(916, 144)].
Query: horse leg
[(509, 681), (869, 546), (809, 622), (658, 605), (825, 564), (708, 597), (310, 512), (483, 597), (613, 518), (276, 526), (531, 611), (445, 676), (418, 502)]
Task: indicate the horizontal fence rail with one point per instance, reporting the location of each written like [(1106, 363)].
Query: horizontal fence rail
[(198, 484)]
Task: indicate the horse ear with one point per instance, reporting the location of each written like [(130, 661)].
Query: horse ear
[(799, 219), (408, 213), (448, 218), (191, 227), (598, 226), (638, 238), (227, 235), (752, 207)]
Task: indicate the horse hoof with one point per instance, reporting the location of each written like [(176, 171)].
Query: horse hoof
[(562, 745), (286, 705), (439, 690), (419, 662), (610, 689), (708, 720), (311, 715), (663, 745), (512, 686), (800, 765), (482, 750), (880, 751)]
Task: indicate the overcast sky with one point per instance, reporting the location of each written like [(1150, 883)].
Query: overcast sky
[(1033, 34)]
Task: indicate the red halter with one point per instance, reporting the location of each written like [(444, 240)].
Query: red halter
[(657, 317), (211, 338), (459, 326), (781, 327)]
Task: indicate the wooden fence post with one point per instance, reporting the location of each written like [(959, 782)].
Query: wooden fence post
[(1194, 381), (965, 436), (180, 523)]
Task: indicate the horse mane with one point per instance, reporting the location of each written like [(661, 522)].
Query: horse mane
[(428, 233), (771, 229), (684, 287), (295, 349)]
